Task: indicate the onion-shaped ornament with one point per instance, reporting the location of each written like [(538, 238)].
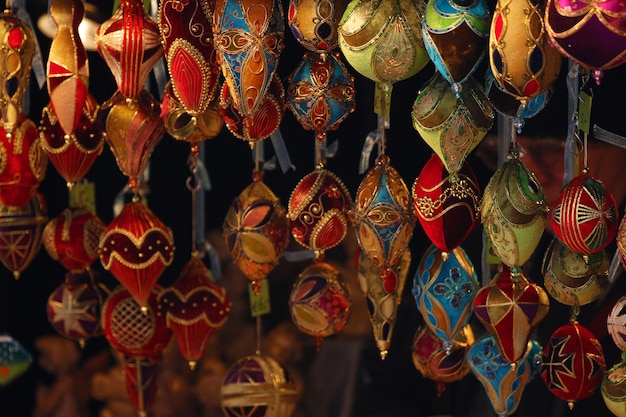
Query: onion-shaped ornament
[(444, 289), (136, 247), (21, 230), (314, 23), (141, 375), (447, 206), (259, 384), (572, 280), (616, 323), (14, 359), (256, 231), (513, 211), (452, 126), (510, 307), (585, 215), (320, 303), (573, 363), (613, 388), (195, 308)]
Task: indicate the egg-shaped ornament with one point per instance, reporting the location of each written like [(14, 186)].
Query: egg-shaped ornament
[(320, 302), (613, 388), (256, 231), (248, 38), (314, 23), (14, 359), (195, 308), (513, 211), (570, 278), (21, 230), (510, 306), (382, 300), (521, 58), (616, 323), (23, 163), (585, 216), (321, 92), (444, 289), (504, 384), (381, 40), (452, 126), (593, 34), (447, 206), (382, 217), (455, 35), (74, 307), (318, 210), (573, 363), (258, 384), (136, 247)]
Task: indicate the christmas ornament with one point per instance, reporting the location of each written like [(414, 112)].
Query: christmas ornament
[(258, 384), (571, 280), (444, 291), (621, 241), (14, 359), (503, 383), (616, 323), (72, 238), (573, 363), (382, 302), (513, 211), (256, 231), (446, 205), (613, 389), (141, 375), (585, 216), (314, 23), (21, 233), (136, 247), (320, 303), (194, 308), (509, 307)]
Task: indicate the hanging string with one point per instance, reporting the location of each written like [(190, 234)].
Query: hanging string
[(320, 151), (259, 334), (194, 184)]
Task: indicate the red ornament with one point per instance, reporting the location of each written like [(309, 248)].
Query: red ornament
[(194, 308), (136, 248), (447, 206), (72, 238), (22, 163), (141, 382), (573, 363)]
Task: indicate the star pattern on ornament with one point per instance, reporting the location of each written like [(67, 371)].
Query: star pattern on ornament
[(15, 246), (72, 311), (559, 364)]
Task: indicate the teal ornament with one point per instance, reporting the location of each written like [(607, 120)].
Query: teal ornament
[(14, 359), (444, 288)]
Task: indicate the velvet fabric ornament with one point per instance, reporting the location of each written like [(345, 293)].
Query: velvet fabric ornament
[(513, 211), (21, 233), (258, 383), (141, 375), (14, 359), (510, 307), (452, 126), (571, 280), (621, 241), (248, 38), (616, 323), (613, 388), (444, 291), (23, 163), (314, 23), (507, 105), (136, 247), (585, 215), (447, 206), (573, 363)]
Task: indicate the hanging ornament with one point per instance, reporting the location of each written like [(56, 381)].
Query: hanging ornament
[(444, 289), (621, 241), (585, 216), (510, 306), (256, 231), (136, 247), (141, 375), (452, 126), (314, 23), (503, 383), (382, 303), (616, 323), (447, 206), (14, 359), (74, 307), (259, 385), (573, 363), (589, 33), (23, 164), (455, 35), (521, 59), (21, 233), (571, 280), (72, 238), (248, 40), (320, 303), (194, 308), (613, 389), (513, 211)]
